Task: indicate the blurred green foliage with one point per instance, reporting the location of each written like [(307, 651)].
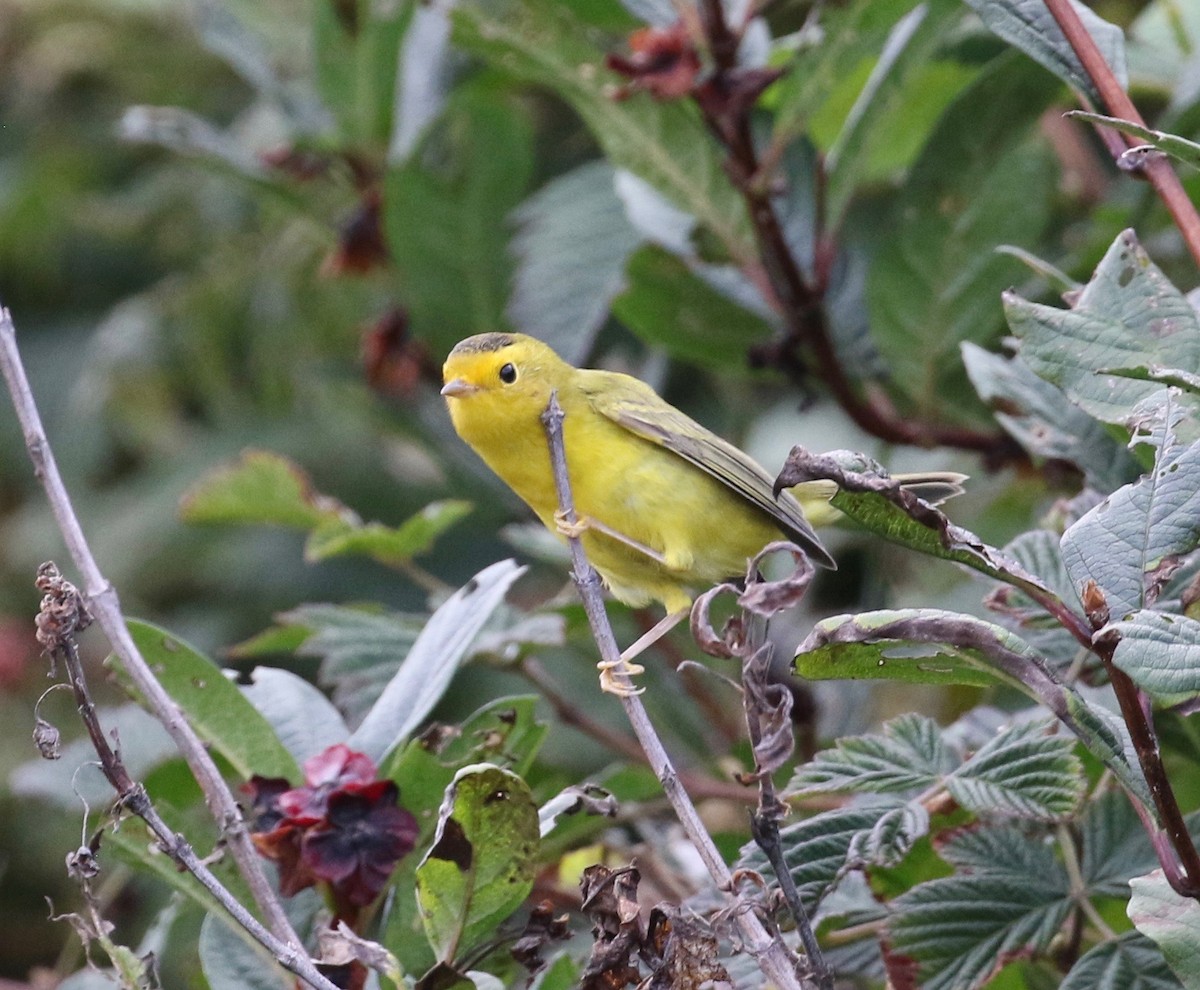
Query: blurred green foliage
[(232, 224)]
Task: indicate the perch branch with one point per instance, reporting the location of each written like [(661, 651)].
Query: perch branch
[(772, 956)]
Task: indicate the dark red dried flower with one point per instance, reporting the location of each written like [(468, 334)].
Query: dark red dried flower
[(360, 244), (357, 845), (343, 827), (663, 61)]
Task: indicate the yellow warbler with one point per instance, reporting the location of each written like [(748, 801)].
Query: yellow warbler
[(666, 506)]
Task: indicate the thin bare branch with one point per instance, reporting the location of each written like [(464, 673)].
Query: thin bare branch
[(63, 613), (772, 955), (105, 607)]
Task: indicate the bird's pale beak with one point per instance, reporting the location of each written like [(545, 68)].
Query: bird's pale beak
[(458, 387)]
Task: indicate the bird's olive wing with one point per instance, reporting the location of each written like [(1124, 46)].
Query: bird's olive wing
[(638, 408)]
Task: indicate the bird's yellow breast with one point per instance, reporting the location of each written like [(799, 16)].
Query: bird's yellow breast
[(631, 485)]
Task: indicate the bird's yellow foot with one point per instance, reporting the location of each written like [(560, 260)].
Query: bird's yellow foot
[(571, 529), (610, 670)]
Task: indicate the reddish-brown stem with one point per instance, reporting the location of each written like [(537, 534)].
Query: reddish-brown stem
[(1141, 733), (1157, 170), (799, 302)]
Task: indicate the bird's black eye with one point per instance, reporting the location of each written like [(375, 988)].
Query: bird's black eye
[(508, 374)]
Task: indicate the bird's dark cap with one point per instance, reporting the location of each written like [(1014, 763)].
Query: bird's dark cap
[(483, 342)]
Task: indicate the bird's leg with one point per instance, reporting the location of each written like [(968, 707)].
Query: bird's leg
[(608, 667), (574, 530)]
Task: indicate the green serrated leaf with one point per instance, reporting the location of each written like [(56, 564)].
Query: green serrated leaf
[(1044, 421), (959, 929), (1115, 846), (668, 306), (1171, 921), (1129, 962), (908, 755), (1021, 772), (815, 849), (483, 860), (543, 42), (929, 646), (890, 839), (1029, 26), (260, 487), (1128, 315), (1161, 652), (213, 704)]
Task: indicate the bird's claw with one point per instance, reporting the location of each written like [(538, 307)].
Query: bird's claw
[(623, 688), (572, 529)]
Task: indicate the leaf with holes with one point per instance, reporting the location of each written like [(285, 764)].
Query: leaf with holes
[(1128, 315), (1123, 540), (483, 859)]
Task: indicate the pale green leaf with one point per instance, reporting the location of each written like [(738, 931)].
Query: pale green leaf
[(1161, 652), (1128, 315), (1171, 921), (1029, 26), (425, 673), (1123, 540)]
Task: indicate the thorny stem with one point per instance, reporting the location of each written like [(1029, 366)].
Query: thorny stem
[(771, 955), (800, 303), (63, 612), (105, 606), (1157, 169)]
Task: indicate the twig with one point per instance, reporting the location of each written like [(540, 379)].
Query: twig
[(770, 954), (63, 613), (105, 606), (764, 820), (1157, 169)]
